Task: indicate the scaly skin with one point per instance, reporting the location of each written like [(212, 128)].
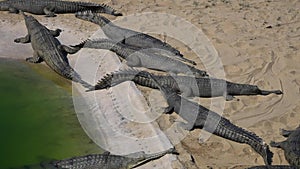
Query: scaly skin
[(103, 161), (139, 58), (291, 147), (200, 117), (130, 37), (47, 48), (274, 167), (186, 85), (50, 7)]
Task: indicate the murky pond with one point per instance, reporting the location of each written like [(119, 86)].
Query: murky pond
[(38, 121)]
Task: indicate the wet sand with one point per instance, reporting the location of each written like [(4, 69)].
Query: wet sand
[(257, 42)]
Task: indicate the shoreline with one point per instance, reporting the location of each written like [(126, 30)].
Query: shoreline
[(39, 114), (253, 50)]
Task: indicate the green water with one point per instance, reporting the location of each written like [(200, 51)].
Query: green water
[(38, 122)]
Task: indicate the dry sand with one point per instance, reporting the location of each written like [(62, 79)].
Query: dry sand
[(258, 42)]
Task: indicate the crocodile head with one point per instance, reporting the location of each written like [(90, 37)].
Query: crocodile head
[(249, 89), (173, 50), (246, 89), (30, 21), (243, 89)]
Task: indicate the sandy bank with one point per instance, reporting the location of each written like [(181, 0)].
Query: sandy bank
[(258, 43)]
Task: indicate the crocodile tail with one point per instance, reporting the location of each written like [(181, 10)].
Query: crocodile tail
[(102, 43), (87, 85), (84, 83), (99, 8), (105, 82), (265, 152), (81, 44), (149, 157), (89, 15), (108, 10), (74, 76), (140, 77), (130, 74), (80, 161), (112, 79), (232, 132)]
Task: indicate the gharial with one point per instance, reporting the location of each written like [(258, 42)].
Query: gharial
[(291, 147), (52, 7), (47, 48), (103, 161), (139, 58), (200, 117), (132, 38), (186, 85)]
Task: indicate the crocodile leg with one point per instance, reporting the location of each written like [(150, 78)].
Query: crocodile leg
[(187, 126), (68, 49), (35, 59), (55, 32), (276, 144), (229, 97), (13, 10), (25, 39), (169, 110), (285, 133), (49, 11)]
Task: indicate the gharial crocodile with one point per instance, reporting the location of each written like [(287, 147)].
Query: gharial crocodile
[(130, 37), (291, 147), (186, 85), (52, 7), (103, 161), (200, 117), (139, 58), (47, 48), (273, 167)]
